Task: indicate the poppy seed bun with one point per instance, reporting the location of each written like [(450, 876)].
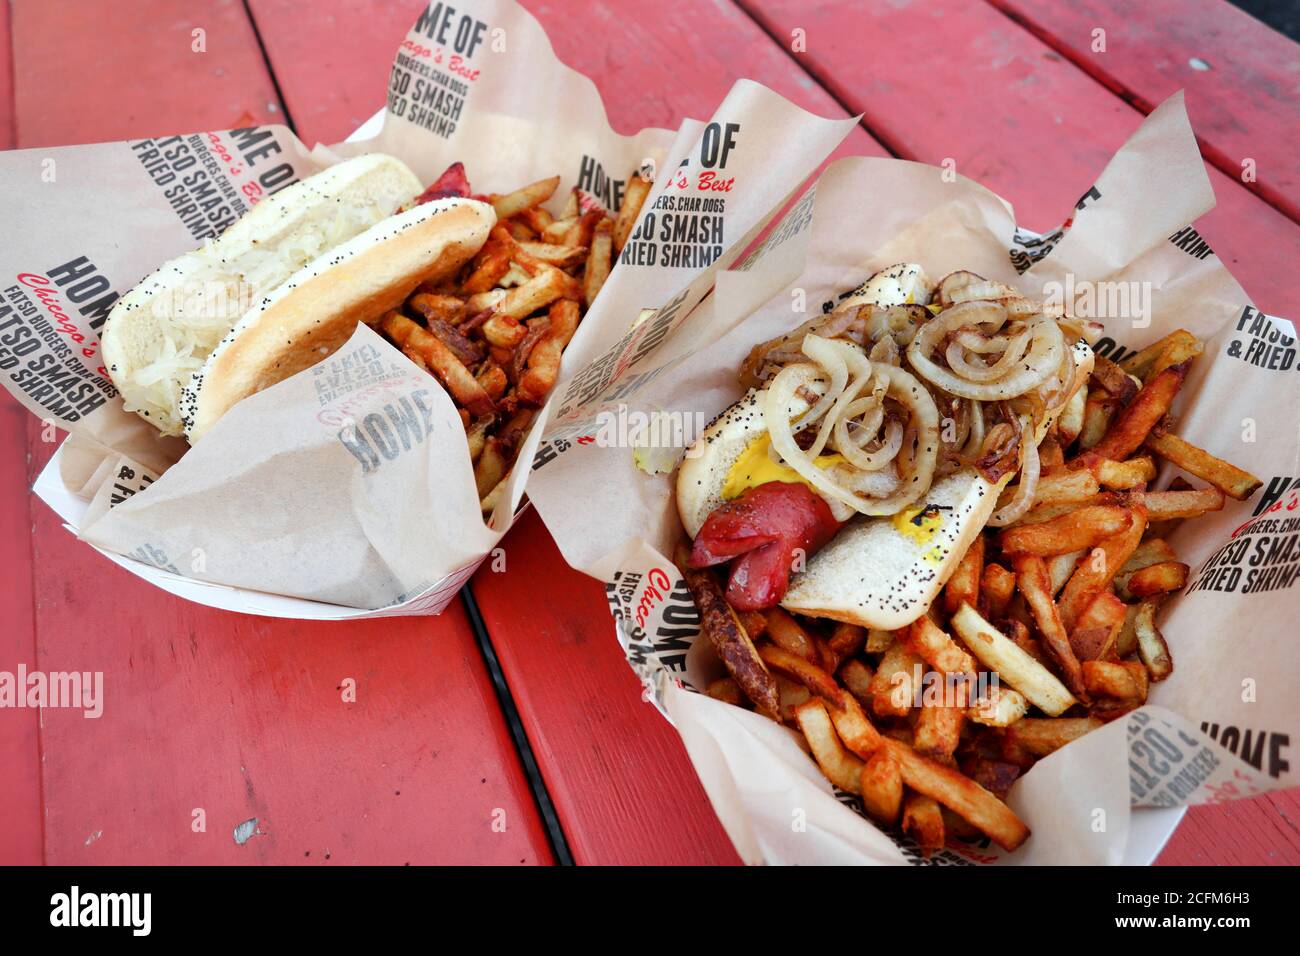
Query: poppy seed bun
[(161, 332), (318, 308)]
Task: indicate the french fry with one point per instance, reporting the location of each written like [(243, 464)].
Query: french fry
[(1169, 505), (1179, 350), (893, 687), (1098, 410), (852, 725), (878, 641), (1132, 425), (1231, 480), (881, 782), (1122, 475), (1040, 514), (923, 822), (754, 623), (1113, 379), (1051, 456), (538, 292), (1096, 569), (1014, 666), (1035, 584), (1149, 552), (1151, 643), (790, 694), (719, 623), (489, 502), (856, 675), (1061, 567), (535, 218), (476, 435), (600, 260), (1070, 422), (484, 301), (1040, 736), (1081, 528), (1157, 579), (544, 359), (1121, 681), (996, 587), (998, 707), (1126, 640), (927, 641), (1094, 634), (840, 766), (845, 641), (491, 263), (504, 331), (800, 669), (491, 466), (964, 585), (492, 378), (938, 731), (448, 308), (534, 194), (995, 776), (634, 196), (786, 633), (562, 257), (1017, 630), (1067, 487), (519, 230), (1180, 342), (960, 794), (428, 351), (561, 231), (726, 690)]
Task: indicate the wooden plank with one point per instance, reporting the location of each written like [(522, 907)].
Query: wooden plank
[(620, 780), (948, 79), (6, 82), (1242, 78), (332, 66), (241, 717), (1256, 832), (623, 788), (59, 48), (20, 798), (20, 758)]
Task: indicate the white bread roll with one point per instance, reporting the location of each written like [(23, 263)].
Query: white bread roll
[(317, 309), (162, 331)]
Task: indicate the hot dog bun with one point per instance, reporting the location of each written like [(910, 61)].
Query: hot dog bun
[(164, 329), (318, 308), (877, 572)]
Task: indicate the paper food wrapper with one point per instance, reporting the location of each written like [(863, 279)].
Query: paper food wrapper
[(1221, 727), (347, 491)]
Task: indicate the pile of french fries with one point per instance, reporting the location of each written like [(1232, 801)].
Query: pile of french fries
[(1060, 606), (494, 334)]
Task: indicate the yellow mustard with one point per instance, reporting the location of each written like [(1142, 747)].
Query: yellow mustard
[(756, 467)]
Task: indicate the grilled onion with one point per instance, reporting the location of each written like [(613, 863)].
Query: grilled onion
[(886, 465), (1016, 372), (1015, 509)]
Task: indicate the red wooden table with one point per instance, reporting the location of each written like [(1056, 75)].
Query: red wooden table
[(243, 718)]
